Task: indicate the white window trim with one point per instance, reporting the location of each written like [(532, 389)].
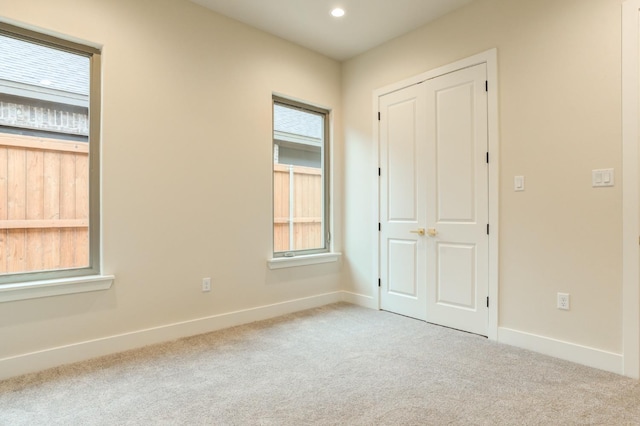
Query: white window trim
[(303, 260), (312, 254), (55, 287), (57, 281)]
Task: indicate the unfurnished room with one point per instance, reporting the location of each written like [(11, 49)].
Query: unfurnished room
[(294, 212)]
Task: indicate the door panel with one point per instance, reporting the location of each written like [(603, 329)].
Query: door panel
[(401, 165), (403, 263), (455, 153), (457, 200), (402, 253), (456, 275)]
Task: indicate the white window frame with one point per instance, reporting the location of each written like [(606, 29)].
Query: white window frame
[(29, 285), (308, 256)]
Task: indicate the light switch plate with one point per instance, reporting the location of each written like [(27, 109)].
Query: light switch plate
[(518, 183), (602, 177)]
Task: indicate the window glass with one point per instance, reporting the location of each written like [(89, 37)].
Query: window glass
[(300, 205)]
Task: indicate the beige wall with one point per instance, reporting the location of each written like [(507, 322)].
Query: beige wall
[(187, 107), (559, 112)]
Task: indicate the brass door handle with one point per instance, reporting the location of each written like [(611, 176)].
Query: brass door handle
[(432, 232), (419, 231)]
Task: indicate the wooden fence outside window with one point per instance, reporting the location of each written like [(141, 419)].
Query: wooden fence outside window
[(297, 208), (44, 204)]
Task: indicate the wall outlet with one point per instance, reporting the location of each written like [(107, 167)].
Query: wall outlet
[(206, 285), (563, 301)]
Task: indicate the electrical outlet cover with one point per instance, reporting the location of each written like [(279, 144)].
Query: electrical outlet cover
[(563, 301), (206, 284)]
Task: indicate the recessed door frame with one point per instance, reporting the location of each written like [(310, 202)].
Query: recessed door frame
[(490, 58), (630, 188)]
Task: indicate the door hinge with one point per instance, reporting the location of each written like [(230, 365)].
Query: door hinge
[(487, 157), (487, 229), (328, 237), (487, 301), (379, 282), (379, 172), (486, 85), (379, 226), (378, 115)]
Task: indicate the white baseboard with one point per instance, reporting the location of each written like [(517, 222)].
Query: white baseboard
[(53, 357), (359, 299), (584, 355)]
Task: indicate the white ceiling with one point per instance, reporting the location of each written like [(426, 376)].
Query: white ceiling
[(366, 24)]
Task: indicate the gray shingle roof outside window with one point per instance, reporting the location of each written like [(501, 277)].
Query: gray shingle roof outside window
[(291, 120), (35, 65)]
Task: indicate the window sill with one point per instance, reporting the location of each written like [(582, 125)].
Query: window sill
[(57, 287), (311, 259)]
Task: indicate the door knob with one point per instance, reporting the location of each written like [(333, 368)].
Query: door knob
[(419, 231), (432, 232)]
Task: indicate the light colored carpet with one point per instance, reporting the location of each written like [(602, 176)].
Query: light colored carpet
[(335, 365)]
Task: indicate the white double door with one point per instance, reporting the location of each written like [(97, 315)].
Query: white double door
[(434, 200)]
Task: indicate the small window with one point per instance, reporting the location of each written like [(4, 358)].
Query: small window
[(49, 163), (300, 179)]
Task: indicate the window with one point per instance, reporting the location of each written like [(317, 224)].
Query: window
[(300, 179), (49, 157)]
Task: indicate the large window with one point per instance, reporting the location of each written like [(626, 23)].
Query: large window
[(49, 157), (300, 179)]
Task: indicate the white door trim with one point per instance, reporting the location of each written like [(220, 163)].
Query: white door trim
[(490, 58), (630, 187)]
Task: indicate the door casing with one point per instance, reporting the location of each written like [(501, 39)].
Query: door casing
[(630, 188), (489, 58)]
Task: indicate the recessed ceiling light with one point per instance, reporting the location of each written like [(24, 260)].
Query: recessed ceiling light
[(337, 12)]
